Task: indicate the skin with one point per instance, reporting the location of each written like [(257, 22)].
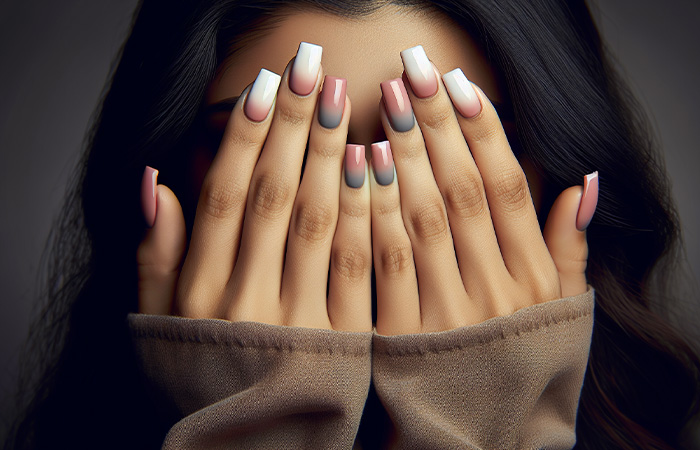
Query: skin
[(463, 226)]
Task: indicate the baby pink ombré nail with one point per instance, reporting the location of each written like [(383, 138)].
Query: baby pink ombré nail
[(589, 201), (149, 181), (397, 104)]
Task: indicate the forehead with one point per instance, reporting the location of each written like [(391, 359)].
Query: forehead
[(364, 50)]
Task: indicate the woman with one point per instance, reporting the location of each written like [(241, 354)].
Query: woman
[(568, 118)]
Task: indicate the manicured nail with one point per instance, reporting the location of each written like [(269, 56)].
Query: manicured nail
[(148, 195), (354, 165), (589, 201), (397, 104), (462, 93), (330, 111), (420, 71), (262, 95), (382, 163), (302, 78)]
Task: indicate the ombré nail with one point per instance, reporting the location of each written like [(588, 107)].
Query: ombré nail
[(382, 163), (330, 111), (397, 104), (420, 71), (304, 73), (354, 165), (262, 95), (149, 181), (462, 93), (589, 201)]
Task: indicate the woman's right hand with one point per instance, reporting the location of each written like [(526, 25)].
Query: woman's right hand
[(262, 242)]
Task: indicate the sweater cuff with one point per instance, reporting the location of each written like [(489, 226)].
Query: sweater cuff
[(509, 382), (253, 385)]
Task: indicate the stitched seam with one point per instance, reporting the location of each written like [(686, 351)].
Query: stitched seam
[(141, 334), (502, 336)]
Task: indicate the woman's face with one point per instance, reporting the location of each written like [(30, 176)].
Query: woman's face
[(365, 51)]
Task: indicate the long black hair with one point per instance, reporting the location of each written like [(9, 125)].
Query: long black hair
[(572, 113)]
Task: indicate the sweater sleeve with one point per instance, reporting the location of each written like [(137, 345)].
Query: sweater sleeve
[(251, 385), (510, 382)]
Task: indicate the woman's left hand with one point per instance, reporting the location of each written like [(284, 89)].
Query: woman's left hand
[(461, 243)]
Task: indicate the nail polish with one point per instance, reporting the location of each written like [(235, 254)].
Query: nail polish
[(382, 163), (332, 103), (355, 165), (462, 93), (302, 78), (149, 181), (589, 201), (397, 104), (262, 95), (420, 71)]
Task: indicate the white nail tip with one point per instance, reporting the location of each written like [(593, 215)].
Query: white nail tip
[(309, 55), (265, 86), (417, 63), (462, 92)]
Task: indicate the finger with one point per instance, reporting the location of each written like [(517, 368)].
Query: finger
[(510, 203), (315, 213), (398, 307), (275, 182), (570, 213), (160, 254), (483, 272), (442, 294), (350, 284)]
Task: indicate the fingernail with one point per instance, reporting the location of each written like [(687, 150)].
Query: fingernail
[(462, 93), (354, 165), (330, 111), (382, 163), (148, 195), (262, 95), (420, 71), (589, 201), (397, 104), (302, 78)]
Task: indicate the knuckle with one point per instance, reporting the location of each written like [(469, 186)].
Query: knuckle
[(465, 196), (291, 115), (221, 200), (396, 258), (326, 150), (438, 119), (511, 190), (429, 221), (270, 195), (388, 206), (351, 263), (354, 210), (240, 139), (408, 151), (313, 221), (484, 129)]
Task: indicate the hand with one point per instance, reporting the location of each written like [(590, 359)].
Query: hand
[(236, 267), (461, 242)]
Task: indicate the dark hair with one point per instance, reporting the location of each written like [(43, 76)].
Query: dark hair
[(572, 115)]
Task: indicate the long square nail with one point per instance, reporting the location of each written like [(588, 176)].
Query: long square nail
[(332, 103), (355, 165), (262, 95), (304, 73), (420, 71), (397, 104), (382, 163)]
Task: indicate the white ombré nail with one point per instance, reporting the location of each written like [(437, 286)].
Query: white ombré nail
[(304, 73), (262, 95), (462, 93), (420, 71)]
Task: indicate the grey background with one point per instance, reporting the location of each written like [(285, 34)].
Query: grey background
[(54, 57)]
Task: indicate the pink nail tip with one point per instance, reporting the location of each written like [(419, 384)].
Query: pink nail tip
[(589, 201), (149, 182)]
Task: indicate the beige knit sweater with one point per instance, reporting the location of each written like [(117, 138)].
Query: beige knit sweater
[(508, 383)]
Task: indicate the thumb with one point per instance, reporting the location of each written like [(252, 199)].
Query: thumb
[(160, 253), (565, 233)]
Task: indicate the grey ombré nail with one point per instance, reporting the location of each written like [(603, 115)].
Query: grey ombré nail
[(355, 165), (398, 105), (382, 163), (332, 103)]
